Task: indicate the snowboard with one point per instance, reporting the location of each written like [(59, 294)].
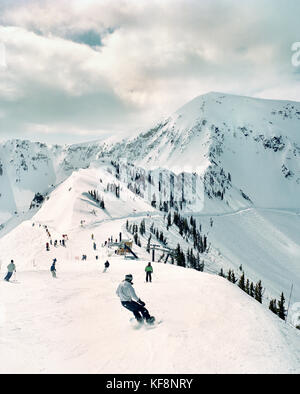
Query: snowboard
[(153, 325), (11, 281), (148, 326)]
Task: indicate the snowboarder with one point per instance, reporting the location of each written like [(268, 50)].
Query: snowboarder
[(53, 269), (132, 302), (11, 268), (149, 271), (106, 265)]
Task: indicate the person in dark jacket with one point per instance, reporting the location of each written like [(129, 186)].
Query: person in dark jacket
[(53, 268), (106, 265)]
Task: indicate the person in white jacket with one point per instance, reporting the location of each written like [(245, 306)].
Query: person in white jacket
[(132, 302)]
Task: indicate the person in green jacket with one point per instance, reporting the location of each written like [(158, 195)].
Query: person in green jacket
[(11, 268), (149, 271)]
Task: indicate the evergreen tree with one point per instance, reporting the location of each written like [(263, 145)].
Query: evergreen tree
[(247, 287), (153, 202), (233, 278), (251, 290), (179, 256), (152, 228), (229, 275), (273, 307), (148, 244), (200, 266), (142, 227), (221, 273), (169, 219), (241, 282), (258, 291), (281, 308)]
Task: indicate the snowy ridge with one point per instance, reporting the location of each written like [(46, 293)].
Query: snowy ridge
[(27, 168)]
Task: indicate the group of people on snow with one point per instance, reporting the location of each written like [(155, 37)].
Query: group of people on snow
[(62, 242), (125, 290)]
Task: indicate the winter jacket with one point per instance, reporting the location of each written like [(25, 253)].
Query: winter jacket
[(149, 268), (11, 267), (126, 292), (52, 268)]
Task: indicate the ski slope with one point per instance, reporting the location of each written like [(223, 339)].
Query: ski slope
[(76, 324), (265, 242)]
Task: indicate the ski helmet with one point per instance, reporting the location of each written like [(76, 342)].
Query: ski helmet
[(128, 277)]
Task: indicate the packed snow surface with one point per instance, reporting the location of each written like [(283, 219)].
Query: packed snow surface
[(76, 324)]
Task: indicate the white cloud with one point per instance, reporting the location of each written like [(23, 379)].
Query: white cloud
[(154, 56)]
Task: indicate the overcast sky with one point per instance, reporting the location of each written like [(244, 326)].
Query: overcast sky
[(80, 70)]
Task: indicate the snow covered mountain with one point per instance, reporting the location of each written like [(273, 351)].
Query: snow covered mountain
[(245, 153), (230, 162), (28, 168), (247, 150)]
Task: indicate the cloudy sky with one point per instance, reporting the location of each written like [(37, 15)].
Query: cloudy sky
[(80, 70)]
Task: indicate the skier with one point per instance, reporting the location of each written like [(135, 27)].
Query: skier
[(149, 270), (94, 246), (53, 269), (106, 265), (11, 268), (47, 246), (132, 302)]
